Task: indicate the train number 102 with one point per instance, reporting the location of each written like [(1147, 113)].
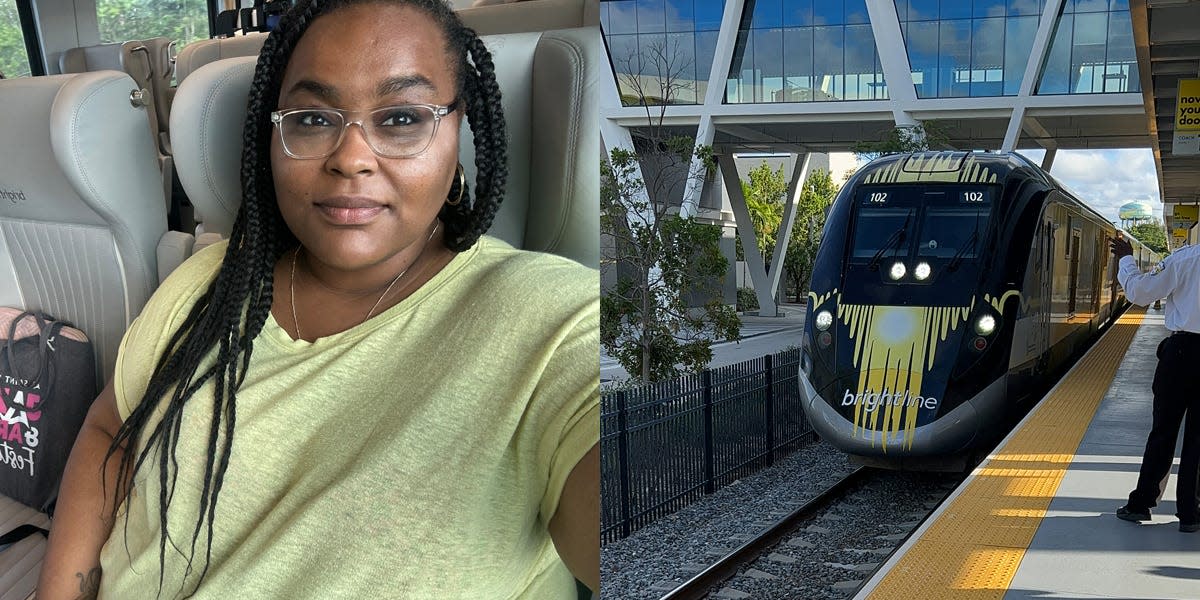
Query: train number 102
[(877, 197), (972, 196)]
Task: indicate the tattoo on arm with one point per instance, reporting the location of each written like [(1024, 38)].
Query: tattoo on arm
[(89, 585)]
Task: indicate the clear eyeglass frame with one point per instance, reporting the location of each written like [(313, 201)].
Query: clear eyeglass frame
[(437, 112)]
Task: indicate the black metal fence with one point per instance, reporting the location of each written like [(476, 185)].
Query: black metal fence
[(665, 445)]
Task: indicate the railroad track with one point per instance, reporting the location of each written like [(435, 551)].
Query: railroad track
[(701, 584)]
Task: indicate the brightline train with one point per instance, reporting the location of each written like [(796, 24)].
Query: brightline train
[(949, 288)]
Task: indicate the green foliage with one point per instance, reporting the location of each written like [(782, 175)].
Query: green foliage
[(764, 197), (1152, 235), (184, 21), (13, 60), (662, 262), (815, 197), (746, 299), (899, 140)]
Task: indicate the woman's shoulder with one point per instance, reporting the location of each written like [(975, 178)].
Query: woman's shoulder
[(500, 266), (191, 278)]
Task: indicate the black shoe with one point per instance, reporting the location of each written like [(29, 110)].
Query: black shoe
[(1128, 514), (1189, 527)]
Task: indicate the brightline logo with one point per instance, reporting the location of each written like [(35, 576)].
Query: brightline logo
[(873, 400), (14, 197)]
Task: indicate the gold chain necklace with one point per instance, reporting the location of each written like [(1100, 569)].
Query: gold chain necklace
[(292, 281)]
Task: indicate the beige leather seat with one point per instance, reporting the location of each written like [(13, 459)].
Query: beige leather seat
[(81, 215), (548, 82)]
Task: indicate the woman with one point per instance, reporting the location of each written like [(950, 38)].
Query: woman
[(357, 396)]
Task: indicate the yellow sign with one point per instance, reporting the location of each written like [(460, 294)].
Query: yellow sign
[(1187, 106), (1185, 216)]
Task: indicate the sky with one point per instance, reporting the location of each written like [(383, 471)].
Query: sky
[(1103, 179)]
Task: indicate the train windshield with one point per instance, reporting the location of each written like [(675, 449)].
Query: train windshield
[(933, 222)]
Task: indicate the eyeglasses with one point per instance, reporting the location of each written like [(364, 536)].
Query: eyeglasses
[(391, 132)]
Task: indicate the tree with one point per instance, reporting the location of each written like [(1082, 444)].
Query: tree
[(665, 309), (898, 140), (815, 197), (1152, 235)]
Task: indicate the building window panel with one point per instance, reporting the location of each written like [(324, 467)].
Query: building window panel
[(708, 14), (954, 55), (798, 64), (706, 50), (827, 62), (1087, 53), (679, 16), (681, 55), (1083, 6), (955, 9), (768, 64), (651, 16), (798, 13), (861, 74), (829, 12), (987, 57), (622, 17), (856, 12), (990, 8), (741, 71), (922, 42), (1026, 7), (901, 10), (1121, 74), (1019, 33), (923, 10), (767, 13), (1056, 74)]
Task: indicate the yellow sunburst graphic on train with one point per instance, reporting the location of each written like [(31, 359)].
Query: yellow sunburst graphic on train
[(894, 348)]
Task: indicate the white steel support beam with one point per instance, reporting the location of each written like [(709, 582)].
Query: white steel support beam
[(799, 174), (1041, 47), (705, 131), (893, 57), (1048, 160), (745, 229), (1014, 130)]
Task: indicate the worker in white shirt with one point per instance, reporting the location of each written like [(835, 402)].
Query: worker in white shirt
[(1177, 279)]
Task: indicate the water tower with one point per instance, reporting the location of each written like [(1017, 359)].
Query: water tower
[(1132, 213)]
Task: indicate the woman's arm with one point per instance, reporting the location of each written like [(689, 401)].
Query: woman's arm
[(575, 526), (82, 520)]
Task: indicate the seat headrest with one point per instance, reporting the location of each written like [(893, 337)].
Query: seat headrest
[(206, 137), (200, 53), (547, 80)]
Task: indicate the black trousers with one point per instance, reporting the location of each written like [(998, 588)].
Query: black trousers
[(1176, 399)]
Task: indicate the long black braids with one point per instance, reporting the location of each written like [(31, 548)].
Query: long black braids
[(232, 311)]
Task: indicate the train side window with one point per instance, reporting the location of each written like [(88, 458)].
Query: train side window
[(14, 58), (183, 21)]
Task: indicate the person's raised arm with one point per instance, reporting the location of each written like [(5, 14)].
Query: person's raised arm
[(575, 526), (82, 520)]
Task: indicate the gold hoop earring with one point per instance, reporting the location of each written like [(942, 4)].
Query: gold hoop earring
[(462, 186)]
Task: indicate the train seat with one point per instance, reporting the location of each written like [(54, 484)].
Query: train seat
[(82, 216), (150, 64), (548, 82)]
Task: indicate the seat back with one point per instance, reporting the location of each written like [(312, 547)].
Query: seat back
[(200, 53), (82, 210), (548, 83), (493, 17)]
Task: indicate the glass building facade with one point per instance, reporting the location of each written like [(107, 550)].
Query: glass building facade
[(824, 50), (804, 51), (655, 41), (1092, 50), (962, 48)]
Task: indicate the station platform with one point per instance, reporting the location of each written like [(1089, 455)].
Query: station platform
[(1037, 518)]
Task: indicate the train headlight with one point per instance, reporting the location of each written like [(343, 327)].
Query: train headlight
[(922, 271), (897, 271), (824, 320), (985, 325)]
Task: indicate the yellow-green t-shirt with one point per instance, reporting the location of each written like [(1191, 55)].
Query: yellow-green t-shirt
[(420, 454)]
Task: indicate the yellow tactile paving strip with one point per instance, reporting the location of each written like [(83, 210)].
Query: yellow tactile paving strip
[(974, 547)]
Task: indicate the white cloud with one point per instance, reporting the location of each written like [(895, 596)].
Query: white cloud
[(1106, 179)]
